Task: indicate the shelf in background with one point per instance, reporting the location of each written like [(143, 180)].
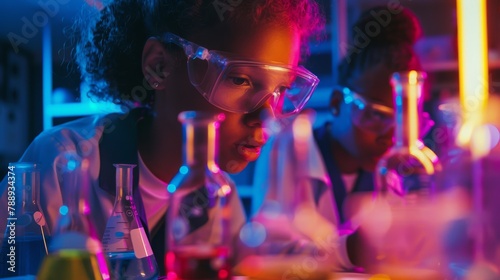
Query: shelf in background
[(81, 109), (77, 109), (452, 65)]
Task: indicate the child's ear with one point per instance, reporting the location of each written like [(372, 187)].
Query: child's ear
[(157, 63), (335, 101)]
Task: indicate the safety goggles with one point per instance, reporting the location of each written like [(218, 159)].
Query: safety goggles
[(368, 115), (241, 86)]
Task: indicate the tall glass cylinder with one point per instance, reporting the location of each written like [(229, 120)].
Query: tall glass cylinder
[(75, 251), (125, 241), (26, 236), (198, 242)]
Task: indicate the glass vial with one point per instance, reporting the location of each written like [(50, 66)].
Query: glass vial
[(409, 167), (75, 251), (125, 241), (26, 236), (198, 247)]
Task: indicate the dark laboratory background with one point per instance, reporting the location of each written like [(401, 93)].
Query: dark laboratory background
[(40, 88)]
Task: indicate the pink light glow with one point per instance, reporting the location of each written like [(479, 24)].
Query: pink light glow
[(95, 4)]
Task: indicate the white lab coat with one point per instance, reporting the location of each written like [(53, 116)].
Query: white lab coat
[(83, 138)]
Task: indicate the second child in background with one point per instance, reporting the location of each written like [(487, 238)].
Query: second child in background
[(342, 153)]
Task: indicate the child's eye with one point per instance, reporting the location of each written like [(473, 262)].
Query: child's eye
[(378, 115), (240, 81)]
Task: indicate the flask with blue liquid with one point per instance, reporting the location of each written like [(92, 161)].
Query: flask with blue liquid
[(26, 235), (125, 242)]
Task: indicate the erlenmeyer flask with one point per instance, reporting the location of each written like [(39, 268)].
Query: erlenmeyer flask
[(409, 167), (25, 239), (125, 241), (75, 251), (403, 229), (199, 190)]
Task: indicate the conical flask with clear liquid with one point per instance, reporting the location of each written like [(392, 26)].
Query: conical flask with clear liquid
[(75, 251), (125, 241), (198, 202), (26, 236), (403, 229), (409, 167)]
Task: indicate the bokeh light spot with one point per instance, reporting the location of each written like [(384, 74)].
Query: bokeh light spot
[(253, 234), (494, 135), (63, 210), (171, 188), (183, 170), (71, 165)]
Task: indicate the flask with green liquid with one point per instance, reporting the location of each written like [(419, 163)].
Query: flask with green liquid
[(75, 251)]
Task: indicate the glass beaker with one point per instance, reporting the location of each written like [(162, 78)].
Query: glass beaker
[(199, 190), (471, 241), (75, 251), (125, 241), (26, 236)]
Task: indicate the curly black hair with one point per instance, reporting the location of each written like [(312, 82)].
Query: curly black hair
[(109, 47), (389, 38)]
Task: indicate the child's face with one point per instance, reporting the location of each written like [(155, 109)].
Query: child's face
[(241, 136), (365, 145)]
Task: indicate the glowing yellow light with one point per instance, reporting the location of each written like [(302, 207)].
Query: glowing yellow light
[(213, 166), (276, 68), (212, 149), (473, 66), (426, 162), (428, 153), (481, 141), (380, 276), (224, 190), (465, 134), (189, 148), (412, 79), (413, 89)]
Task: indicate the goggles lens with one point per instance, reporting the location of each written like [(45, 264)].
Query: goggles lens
[(367, 115), (242, 86)]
